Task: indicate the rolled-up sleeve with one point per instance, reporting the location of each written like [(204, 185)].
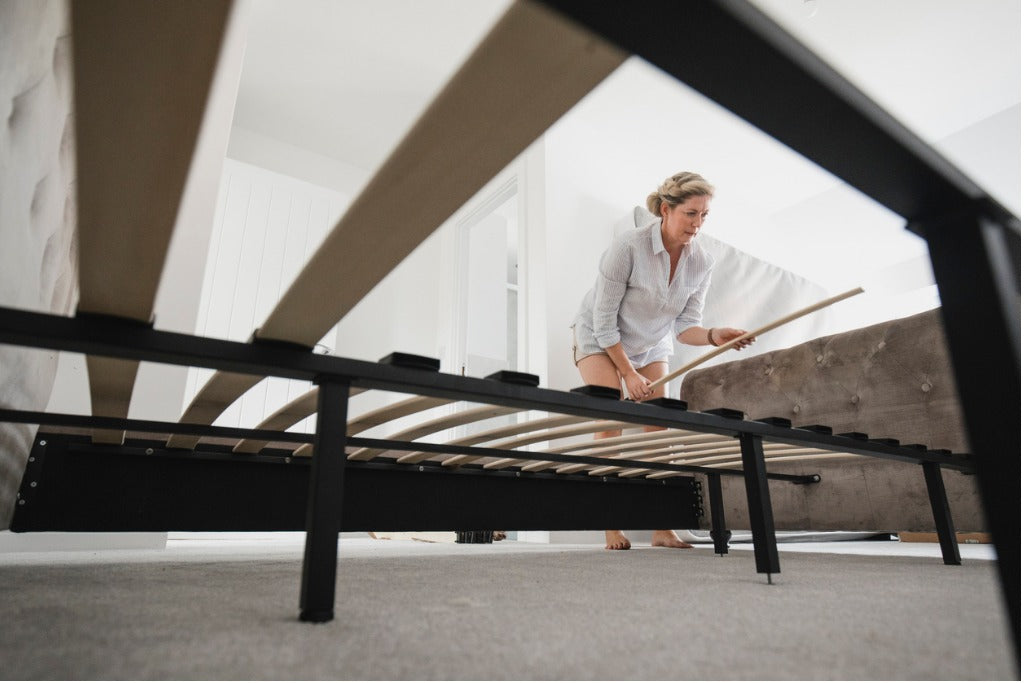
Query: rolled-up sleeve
[(612, 278), (693, 311)]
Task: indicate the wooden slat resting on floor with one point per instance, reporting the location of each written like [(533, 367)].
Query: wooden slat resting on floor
[(142, 75), (528, 71), (733, 461)]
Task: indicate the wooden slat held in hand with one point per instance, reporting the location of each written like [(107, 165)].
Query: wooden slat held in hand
[(824, 303), (530, 69), (142, 75)]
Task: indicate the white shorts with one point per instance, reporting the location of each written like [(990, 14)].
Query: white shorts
[(584, 344)]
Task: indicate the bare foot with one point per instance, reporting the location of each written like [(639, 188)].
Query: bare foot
[(667, 538), (615, 540)]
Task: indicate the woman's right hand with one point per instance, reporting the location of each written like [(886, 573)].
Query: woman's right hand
[(637, 386)]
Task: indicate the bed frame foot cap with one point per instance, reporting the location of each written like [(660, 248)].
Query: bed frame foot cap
[(316, 616)]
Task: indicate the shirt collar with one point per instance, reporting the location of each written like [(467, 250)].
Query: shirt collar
[(657, 246)]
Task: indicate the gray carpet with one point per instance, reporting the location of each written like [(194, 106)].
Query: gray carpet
[(408, 610)]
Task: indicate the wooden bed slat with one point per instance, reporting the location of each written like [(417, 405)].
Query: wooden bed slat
[(549, 435), (374, 418), (530, 69), (142, 75), (812, 455), (502, 432), (622, 443), (287, 416), (720, 457), (440, 424)]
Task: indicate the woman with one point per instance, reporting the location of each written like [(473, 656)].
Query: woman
[(650, 287)]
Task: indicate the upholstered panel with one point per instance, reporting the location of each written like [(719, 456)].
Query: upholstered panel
[(37, 206), (894, 380)]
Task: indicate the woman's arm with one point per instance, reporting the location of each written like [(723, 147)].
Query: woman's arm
[(715, 336), (636, 384)]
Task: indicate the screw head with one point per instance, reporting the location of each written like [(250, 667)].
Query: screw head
[(33, 484), (42, 442), (149, 451)]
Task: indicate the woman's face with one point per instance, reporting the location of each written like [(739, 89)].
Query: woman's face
[(682, 222)]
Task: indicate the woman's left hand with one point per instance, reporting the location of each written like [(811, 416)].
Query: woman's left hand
[(724, 335)]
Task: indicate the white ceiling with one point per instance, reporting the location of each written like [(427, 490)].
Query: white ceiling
[(346, 78)]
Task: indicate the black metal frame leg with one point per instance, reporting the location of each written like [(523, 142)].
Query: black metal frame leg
[(323, 510), (719, 534), (977, 268), (759, 505), (940, 510)]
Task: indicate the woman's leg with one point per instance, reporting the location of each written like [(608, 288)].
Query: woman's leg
[(600, 371), (663, 537)]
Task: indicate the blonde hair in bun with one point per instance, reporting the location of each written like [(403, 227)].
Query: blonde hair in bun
[(677, 189)]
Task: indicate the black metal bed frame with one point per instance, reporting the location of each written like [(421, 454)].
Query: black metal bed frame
[(73, 484), (742, 60)]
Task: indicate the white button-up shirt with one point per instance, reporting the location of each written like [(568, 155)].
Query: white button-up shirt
[(633, 301)]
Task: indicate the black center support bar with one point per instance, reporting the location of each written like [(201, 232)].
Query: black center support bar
[(719, 534), (323, 512)]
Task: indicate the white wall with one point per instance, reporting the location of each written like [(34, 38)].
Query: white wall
[(268, 223), (607, 154), (640, 126)]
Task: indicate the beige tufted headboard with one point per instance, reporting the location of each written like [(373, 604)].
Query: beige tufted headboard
[(892, 379), (37, 207), (889, 380)]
